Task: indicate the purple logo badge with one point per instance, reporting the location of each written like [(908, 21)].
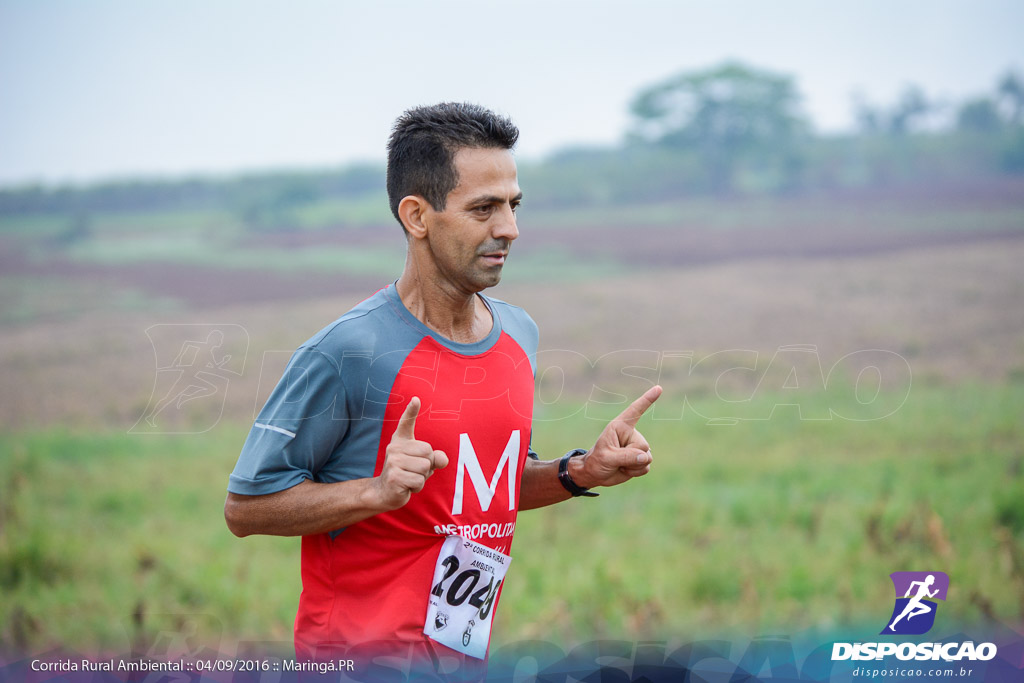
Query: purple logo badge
[(916, 593)]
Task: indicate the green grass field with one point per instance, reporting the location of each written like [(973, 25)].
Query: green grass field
[(114, 542), (108, 540)]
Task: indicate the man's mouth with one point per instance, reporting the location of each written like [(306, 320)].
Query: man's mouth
[(495, 258)]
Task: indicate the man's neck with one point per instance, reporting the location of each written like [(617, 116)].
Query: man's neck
[(459, 316)]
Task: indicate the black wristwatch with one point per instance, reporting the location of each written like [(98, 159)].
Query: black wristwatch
[(567, 482)]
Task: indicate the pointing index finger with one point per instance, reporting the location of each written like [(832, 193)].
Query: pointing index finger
[(637, 408), (406, 428)]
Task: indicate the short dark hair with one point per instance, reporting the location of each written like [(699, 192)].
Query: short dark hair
[(423, 143)]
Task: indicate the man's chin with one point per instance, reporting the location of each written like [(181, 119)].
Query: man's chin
[(489, 278)]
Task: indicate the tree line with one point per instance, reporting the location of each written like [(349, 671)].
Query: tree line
[(736, 129), (731, 129)]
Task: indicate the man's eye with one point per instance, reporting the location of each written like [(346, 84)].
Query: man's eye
[(515, 207)]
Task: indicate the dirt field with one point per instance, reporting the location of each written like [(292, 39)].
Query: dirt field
[(949, 300)]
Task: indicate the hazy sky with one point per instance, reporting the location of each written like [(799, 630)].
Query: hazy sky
[(111, 88)]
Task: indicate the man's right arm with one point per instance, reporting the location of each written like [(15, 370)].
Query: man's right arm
[(312, 508), (305, 509)]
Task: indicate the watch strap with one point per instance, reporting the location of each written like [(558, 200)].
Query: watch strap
[(566, 481)]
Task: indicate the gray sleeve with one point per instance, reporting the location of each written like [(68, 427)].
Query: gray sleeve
[(298, 429)]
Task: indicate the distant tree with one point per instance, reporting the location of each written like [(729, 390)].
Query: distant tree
[(980, 115), (1011, 90), (272, 203), (868, 117), (912, 107), (727, 114), (902, 118), (79, 228)]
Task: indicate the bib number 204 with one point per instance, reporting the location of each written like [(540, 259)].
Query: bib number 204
[(464, 586)]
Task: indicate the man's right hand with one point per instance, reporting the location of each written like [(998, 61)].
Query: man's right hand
[(408, 463)]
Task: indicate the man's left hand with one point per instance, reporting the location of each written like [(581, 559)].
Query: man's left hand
[(621, 452)]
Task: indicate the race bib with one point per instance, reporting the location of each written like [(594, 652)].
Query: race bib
[(463, 593)]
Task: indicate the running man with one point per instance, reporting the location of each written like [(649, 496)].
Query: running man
[(397, 444), (916, 607)]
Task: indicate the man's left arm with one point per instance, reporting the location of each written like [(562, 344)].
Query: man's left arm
[(620, 453)]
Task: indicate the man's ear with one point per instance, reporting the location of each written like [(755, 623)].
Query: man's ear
[(411, 211)]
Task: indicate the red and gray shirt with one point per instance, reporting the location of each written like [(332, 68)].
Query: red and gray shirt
[(330, 419)]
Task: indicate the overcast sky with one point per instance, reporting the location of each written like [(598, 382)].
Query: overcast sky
[(115, 88)]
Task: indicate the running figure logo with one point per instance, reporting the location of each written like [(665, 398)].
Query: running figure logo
[(193, 369), (914, 612)]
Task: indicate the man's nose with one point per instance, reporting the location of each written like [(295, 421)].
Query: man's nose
[(505, 226)]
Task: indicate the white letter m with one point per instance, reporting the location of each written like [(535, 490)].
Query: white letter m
[(468, 462)]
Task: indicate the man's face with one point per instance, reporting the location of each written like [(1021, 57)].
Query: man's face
[(470, 239)]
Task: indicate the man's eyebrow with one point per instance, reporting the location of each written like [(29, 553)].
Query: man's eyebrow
[(493, 199)]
